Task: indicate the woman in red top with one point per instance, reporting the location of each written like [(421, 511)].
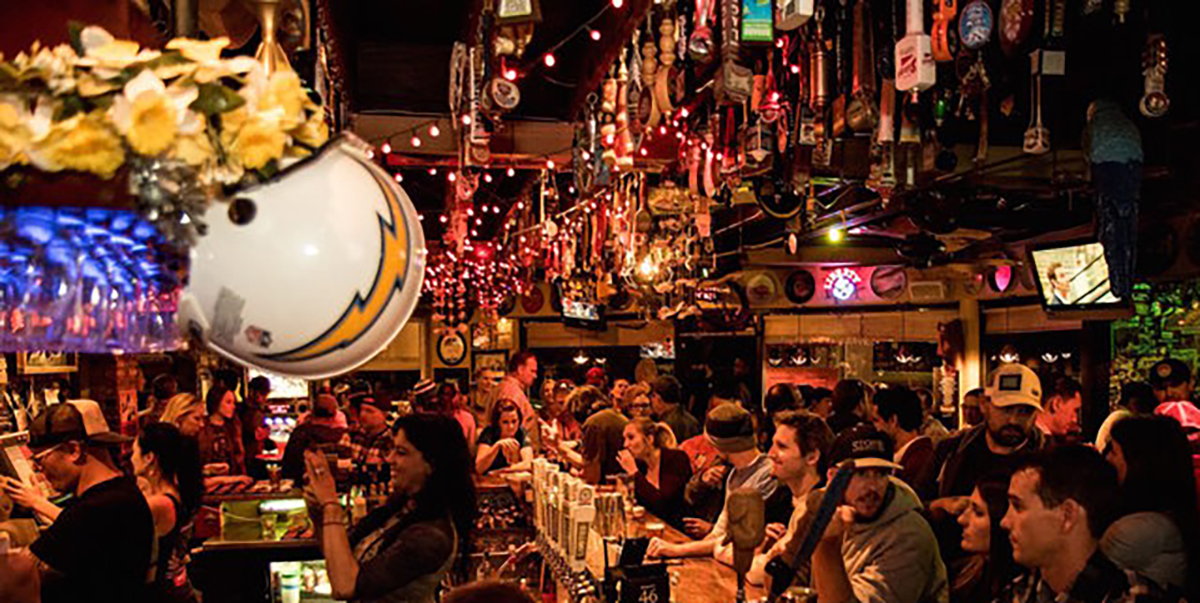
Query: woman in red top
[(660, 472)]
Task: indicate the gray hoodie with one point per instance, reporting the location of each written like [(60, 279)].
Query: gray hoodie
[(895, 559)]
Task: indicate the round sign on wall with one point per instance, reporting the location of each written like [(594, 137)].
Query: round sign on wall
[(452, 348), (800, 287), (889, 282)]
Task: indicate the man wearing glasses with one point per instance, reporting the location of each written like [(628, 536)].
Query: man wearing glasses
[(98, 547)]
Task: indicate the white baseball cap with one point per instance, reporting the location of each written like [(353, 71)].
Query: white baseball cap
[(1014, 384)]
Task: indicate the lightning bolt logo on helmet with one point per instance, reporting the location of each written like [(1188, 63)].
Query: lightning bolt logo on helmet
[(322, 276), (389, 279)]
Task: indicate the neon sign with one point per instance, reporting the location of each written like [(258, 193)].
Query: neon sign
[(842, 284)]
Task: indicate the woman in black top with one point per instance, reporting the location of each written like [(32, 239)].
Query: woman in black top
[(660, 472), (403, 550), (167, 465), (502, 444)]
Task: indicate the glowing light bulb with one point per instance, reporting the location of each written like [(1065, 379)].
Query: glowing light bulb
[(510, 74), (434, 131), (466, 120), (416, 141), (549, 60), (595, 35), (618, 3), (549, 164), (386, 148), (451, 176), (487, 177), (795, 69), (433, 171), (647, 267), (399, 178), (511, 172), (836, 234)]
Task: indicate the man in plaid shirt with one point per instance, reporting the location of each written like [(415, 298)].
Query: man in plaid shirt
[(1060, 502), (371, 442)]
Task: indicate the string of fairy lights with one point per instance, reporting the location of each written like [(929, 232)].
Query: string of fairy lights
[(499, 268)]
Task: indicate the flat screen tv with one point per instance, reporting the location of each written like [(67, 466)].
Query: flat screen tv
[(283, 387), (1073, 276), (582, 314)]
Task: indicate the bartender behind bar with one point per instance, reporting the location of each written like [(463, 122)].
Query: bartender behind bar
[(98, 547)]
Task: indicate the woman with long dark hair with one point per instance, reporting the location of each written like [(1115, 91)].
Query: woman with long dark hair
[(403, 550), (221, 437), (989, 566), (1157, 529), (503, 444), (167, 465)]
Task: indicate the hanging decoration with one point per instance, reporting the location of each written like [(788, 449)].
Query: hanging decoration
[(176, 124)]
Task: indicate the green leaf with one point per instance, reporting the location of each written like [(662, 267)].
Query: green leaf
[(215, 99), (74, 29), (8, 73), (167, 59), (71, 104)]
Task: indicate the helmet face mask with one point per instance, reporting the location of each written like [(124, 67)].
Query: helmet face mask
[(312, 273)]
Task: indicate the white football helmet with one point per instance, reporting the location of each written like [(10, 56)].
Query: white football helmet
[(312, 273)]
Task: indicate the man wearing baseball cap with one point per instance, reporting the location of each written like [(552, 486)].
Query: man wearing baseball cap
[(1014, 397), (99, 547), (730, 429), (878, 548), (1172, 383), (371, 440)]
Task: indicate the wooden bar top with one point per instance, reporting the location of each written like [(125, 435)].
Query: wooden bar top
[(701, 578)]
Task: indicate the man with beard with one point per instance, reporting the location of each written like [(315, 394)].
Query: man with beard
[(877, 548), (1014, 397)]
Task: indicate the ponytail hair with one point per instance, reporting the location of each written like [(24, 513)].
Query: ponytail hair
[(178, 459), (659, 434)]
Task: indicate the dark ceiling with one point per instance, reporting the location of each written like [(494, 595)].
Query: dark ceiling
[(398, 54)]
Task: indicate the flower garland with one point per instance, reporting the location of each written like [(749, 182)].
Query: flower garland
[(99, 104)]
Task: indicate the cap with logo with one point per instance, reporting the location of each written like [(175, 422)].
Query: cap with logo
[(80, 420), (1169, 372), (869, 447), (1014, 385)]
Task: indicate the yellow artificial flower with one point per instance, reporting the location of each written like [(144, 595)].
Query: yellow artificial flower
[(15, 136), (150, 115), (258, 141), (313, 132), (200, 51), (284, 92), (90, 85), (152, 124), (82, 142), (193, 149), (108, 55), (232, 121)]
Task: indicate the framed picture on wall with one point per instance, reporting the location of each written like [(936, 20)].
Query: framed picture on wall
[(495, 361), (492, 336), (46, 363)]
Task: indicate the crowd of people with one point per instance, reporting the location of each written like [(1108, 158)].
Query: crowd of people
[(1011, 505)]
